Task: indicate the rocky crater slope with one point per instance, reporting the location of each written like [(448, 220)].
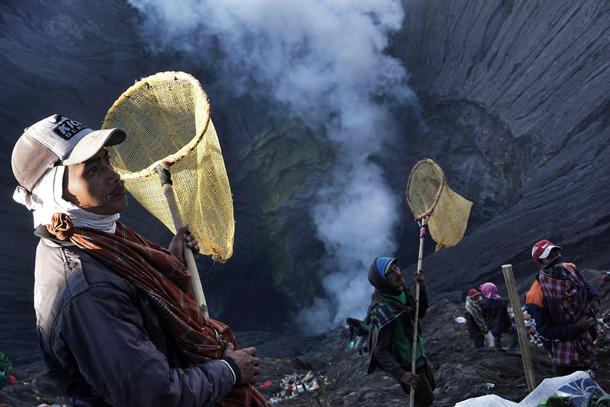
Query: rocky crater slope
[(461, 371)]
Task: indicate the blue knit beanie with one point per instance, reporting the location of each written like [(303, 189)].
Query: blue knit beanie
[(383, 265)]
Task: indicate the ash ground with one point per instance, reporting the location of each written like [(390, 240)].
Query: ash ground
[(461, 371)]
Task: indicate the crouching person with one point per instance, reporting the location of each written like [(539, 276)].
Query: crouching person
[(358, 334), (392, 315), (475, 322), (495, 313), (116, 319)]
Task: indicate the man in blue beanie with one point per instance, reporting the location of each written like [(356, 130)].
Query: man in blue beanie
[(392, 315)]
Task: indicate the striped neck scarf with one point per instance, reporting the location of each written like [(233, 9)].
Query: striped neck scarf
[(386, 308), (166, 280)]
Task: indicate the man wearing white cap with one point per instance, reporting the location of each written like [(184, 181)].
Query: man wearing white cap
[(116, 320), (564, 307)]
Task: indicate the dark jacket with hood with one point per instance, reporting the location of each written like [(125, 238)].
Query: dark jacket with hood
[(496, 315), (380, 342), (103, 341)]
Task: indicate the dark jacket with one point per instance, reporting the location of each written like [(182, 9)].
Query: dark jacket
[(380, 345), (103, 341), (495, 313), (382, 355)]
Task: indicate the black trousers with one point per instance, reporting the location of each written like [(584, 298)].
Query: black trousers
[(424, 393), (566, 370), (475, 333)]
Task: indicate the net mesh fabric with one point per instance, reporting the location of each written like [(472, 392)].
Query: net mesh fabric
[(429, 194), (167, 120)]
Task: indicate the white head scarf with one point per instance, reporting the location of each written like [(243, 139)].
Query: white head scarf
[(46, 199)]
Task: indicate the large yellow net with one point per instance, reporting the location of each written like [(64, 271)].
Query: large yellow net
[(428, 195), (167, 120)]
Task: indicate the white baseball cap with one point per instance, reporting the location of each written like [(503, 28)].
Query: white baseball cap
[(57, 140), (542, 249)]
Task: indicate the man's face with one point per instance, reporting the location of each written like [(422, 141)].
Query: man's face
[(554, 254), (95, 186), (394, 277)]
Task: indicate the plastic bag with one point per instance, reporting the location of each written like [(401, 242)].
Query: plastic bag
[(490, 340)]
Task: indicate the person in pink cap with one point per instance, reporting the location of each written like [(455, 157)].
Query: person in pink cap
[(564, 307), (495, 313)]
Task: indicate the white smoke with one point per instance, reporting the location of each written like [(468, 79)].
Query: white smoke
[(327, 61), (355, 219)]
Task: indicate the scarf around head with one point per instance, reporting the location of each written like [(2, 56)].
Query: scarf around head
[(165, 279), (490, 291), (558, 269), (46, 199)]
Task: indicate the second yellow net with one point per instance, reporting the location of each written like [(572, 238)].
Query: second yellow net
[(428, 195)]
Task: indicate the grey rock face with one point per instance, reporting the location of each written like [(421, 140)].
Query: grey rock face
[(542, 69)]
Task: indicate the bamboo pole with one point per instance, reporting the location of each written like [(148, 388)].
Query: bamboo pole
[(420, 257), (325, 397), (168, 190), (507, 270)]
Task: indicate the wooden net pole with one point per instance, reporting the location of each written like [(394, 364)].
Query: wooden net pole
[(507, 270), (420, 258), (189, 259)]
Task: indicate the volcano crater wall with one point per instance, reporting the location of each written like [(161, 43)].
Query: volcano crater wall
[(542, 69)]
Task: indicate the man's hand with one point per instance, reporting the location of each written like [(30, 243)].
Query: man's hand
[(585, 323), (409, 379), (595, 305), (247, 362), (419, 277), (183, 234)]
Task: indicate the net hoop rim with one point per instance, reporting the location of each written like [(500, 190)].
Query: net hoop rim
[(418, 164), (170, 160)]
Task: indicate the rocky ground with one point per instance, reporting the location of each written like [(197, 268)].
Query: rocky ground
[(461, 371)]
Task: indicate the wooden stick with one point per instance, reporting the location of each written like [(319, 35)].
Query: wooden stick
[(189, 259), (327, 402), (420, 257), (507, 270)]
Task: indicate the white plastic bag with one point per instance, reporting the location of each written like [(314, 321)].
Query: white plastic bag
[(490, 340), (579, 386)]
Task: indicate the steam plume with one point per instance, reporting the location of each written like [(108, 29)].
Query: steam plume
[(326, 61)]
